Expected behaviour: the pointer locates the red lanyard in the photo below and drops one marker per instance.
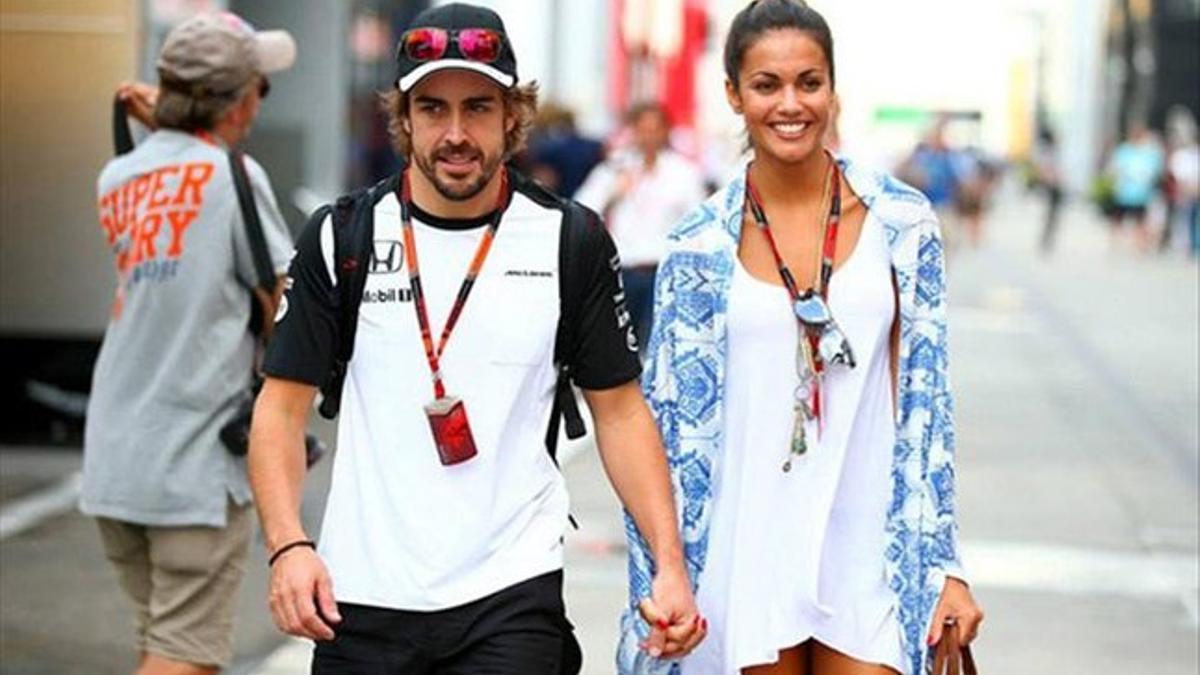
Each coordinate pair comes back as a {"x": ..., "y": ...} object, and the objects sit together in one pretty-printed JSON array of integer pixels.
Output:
[
  {"x": 827, "y": 254},
  {"x": 205, "y": 136},
  {"x": 410, "y": 256}
]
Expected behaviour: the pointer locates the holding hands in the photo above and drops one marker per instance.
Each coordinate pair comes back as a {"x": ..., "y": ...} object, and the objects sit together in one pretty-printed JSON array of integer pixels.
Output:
[{"x": 676, "y": 626}]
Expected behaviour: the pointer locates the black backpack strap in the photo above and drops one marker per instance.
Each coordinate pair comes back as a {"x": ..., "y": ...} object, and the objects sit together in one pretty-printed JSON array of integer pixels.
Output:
[
  {"x": 353, "y": 236},
  {"x": 571, "y": 241},
  {"x": 566, "y": 338}
]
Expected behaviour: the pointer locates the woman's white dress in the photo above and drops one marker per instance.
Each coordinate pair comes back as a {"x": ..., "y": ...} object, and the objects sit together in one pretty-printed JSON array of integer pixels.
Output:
[{"x": 800, "y": 555}]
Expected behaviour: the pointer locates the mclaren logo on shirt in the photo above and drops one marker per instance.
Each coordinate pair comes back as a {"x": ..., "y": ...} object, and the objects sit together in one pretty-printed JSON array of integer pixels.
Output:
[
  {"x": 387, "y": 257},
  {"x": 530, "y": 274}
]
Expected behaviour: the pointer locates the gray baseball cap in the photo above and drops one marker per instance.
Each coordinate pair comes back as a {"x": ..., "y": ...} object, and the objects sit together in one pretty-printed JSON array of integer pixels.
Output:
[{"x": 216, "y": 54}]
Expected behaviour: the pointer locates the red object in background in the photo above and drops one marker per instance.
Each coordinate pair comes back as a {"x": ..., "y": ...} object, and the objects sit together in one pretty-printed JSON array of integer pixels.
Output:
[
  {"x": 677, "y": 75},
  {"x": 618, "y": 61},
  {"x": 674, "y": 75}
]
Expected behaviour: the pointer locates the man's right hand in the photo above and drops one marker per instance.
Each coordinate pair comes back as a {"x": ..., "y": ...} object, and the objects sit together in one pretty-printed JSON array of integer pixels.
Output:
[{"x": 300, "y": 585}]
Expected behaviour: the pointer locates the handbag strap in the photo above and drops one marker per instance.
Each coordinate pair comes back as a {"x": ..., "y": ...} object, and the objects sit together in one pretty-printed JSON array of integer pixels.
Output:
[
  {"x": 968, "y": 661},
  {"x": 942, "y": 653},
  {"x": 951, "y": 657}
]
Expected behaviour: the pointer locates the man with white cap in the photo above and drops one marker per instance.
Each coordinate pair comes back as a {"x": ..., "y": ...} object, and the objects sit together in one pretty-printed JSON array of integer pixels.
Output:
[
  {"x": 172, "y": 504},
  {"x": 442, "y": 545}
]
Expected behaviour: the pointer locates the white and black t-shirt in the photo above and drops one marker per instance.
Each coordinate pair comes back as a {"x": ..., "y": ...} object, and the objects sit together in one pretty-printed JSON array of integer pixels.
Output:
[{"x": 401, "y": 530}]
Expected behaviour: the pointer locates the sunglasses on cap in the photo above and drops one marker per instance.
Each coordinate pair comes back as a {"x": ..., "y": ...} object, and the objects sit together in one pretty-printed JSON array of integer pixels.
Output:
[{"x": 430, "y": 44}]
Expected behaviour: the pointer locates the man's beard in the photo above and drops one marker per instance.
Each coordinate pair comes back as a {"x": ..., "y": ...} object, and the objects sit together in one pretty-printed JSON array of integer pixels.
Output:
[{"x": 458, "y": 191}]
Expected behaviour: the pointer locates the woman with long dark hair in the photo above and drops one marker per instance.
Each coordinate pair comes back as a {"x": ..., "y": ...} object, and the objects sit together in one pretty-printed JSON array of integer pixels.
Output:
[{"x": 797, "y": 370}]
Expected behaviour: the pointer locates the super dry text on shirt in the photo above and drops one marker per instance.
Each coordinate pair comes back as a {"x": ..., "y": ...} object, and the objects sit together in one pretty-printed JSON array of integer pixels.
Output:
[{"x": 134, "y": 214}]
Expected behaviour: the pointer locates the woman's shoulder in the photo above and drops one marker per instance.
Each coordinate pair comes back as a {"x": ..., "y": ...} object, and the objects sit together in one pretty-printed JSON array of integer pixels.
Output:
[
  {"x": 708, "y": 224},
  {"x": 713, "y": 216},
  {"x": 896, "y": 203}
]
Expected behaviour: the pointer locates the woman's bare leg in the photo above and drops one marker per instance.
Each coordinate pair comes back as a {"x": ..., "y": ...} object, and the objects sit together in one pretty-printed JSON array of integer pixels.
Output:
[
  {"x": 826, "y": 661},
  {"x": 792, "y": 661}
]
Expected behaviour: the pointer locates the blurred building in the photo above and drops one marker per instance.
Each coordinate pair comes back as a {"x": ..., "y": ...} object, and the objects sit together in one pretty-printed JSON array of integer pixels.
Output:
[
  {"x": 59, "y": 65},
  {"x": 1152, "y": 62}
]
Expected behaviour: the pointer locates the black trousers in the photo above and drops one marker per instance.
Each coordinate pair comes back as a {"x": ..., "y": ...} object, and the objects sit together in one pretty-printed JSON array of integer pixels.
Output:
[{"x": 521, "y": 630}]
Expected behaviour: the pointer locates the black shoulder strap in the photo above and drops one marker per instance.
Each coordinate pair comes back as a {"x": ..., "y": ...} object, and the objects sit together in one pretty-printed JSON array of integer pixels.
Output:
[
  {"x": 566, "y": 339},
  {"x": 353, "y": 235},
  {"x": 263, "y": 268},
  {"x": 122, "y": 136}
]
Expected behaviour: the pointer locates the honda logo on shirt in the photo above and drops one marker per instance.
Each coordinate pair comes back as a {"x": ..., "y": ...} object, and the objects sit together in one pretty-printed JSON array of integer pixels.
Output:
[{"x": 387, "y": 257}]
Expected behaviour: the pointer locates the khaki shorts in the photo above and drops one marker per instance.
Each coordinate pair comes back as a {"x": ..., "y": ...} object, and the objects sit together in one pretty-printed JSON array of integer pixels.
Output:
[{"x": 183, "y": 582}]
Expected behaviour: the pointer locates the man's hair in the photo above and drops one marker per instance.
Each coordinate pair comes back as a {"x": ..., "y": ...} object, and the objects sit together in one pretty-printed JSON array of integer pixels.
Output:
[
  {"x": 520, "y": 101},
  {"x": 640, "y": 108},
  {"x": 183, "y": 112},
  {"x": 551, "y": 115}
]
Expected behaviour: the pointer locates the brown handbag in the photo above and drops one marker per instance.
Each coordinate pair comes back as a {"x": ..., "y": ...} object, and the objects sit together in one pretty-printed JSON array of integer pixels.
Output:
[{"x": 952, "y": 657}]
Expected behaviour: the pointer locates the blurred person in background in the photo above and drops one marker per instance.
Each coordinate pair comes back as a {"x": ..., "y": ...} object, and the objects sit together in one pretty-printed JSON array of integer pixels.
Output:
[
  {"x": 1048, "y": 178},
  {"x": 560, "y": 157},
  {"x": 933, "y": 169},
  {"x": 442, "y": 543},
  {"x": 171, "y": 502},
  {"x": 1183, "y": 182},
  {"x": 795, "y": 311},
  {"x": 641, "y": 191},
  {"x": 1136, "y": 166},
  {"x": 976, "y": 174}
]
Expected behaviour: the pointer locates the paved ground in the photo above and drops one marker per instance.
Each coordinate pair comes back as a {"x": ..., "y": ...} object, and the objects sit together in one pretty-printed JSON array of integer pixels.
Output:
[{"x": 1077, "y": 406}]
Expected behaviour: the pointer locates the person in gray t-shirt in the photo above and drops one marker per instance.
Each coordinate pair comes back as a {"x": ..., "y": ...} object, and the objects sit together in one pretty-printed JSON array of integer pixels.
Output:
[{"x": 171, "y": 503}]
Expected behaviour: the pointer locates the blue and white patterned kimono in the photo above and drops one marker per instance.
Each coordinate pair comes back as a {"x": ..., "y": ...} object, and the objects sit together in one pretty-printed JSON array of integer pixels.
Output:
[{"x": 685, "y": 383}]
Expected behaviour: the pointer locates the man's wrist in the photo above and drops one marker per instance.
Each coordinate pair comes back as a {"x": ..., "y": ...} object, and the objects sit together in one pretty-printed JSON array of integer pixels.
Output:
[
  {"x": 275, "y": 540},
  {"x": 670, "y": 561},
  {"x": 286, "y": 548}
]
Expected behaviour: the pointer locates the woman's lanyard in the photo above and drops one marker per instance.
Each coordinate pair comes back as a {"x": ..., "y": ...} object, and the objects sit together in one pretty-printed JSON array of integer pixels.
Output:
[
  {"x": 410, "y": 252},
  {"x": 810, "y": 337}
]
